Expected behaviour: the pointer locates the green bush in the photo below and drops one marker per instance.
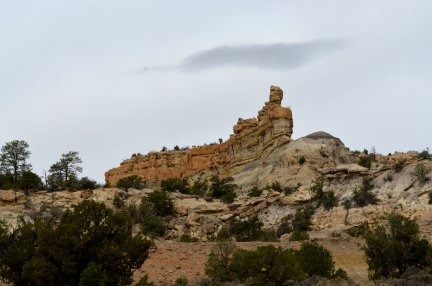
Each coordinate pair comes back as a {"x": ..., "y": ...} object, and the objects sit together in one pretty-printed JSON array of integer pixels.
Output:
[
  {"x": 181, "y": 282},
  {"x": 199, "y": 188},
  {"x": 316, "y": 190},
  {"x": 358, "y": 230},
  {"x": 118, "y": 201},
  {"x": 134, "y": 213},
  {"x": 301, "y": 160},
  {"x": 303, "y": 218},
  {"x": 228, "y": 198},
  {"x": 153, "y": 226},
  {"x": 420, "y": 173},
  {"x": 144, "y": 281},
  {"x": 291, "y": 189},
  {"x": 223, "y": 189},
  {"x": 340, "y": 274},
  {"x": 29, "y": 181},
  {"x": 299, "y": 235},
  {"x": 6, "y": 181},
  {"x": 362, "y": 196},
  {"x": 247, "y": 230},
  {"x": 255, "y": 192},
  {"x": 423, "y": 155},
  {"x": 392, "y": 248},
  {"x": 329, "y": 200},
  {"x": 85, "y": 183},
  {"x": 219, "y": 261},
  {"x": 267, "y": 265},
  {"x": 276, "y": 186},
  {"x": 89, "y": 242},
  {"x": 268, "y": 235},
  {"x": 176, "y": 184},
  {"x": 223, "y": 235},
  {"x": 93, "y": 275},
  {"x": 399, "y": 165},
  {"x": 160, "y": 203},
  {"x": 187, "y": 238},
  {"x": 129, "y": 182},
  {"x": 366, "y": 161},
  {"x": 315, "y": 260}
]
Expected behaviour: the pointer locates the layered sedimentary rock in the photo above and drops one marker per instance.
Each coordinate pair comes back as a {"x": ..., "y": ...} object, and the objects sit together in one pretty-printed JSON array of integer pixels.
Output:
[{"x": 252, "y": 139}]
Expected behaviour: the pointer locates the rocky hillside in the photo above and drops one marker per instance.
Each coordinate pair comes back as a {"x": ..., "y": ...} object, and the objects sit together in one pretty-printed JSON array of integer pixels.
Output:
[{"x": 258, "y": 155}]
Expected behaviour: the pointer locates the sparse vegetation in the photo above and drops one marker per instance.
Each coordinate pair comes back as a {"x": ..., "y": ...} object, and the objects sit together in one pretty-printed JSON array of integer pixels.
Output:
[
  {"x": 291, "y": 189},
  {"x": 144, "y": 281},
  {"x": 362, "y": 196},
  {"x": 255, "y": 192},
  {"x": 175, "y": 185},
  {"x": 159, "y": 203},
  {"x": 399, "y": 165},
  {"x": 421, "y": 173},
  {"x": 277, "y": 187},
  {"x": 366, "y": 160},
  {"x": 181, "y": 282},
  {"x": 424, "y": 155},
  {"x": 358, "y": 230},
  {"x": 327, "y": 199},
  {"x": 85, "y": 183},
  {"x": 199, "y": 188},
  {"x": 244, "y": 230},
  {"x": 118, "y": 201},
  {"x": 303, "y": 218},
  {"x": 299, "y": 235},
  {"x": 187, "y": 238},
  {"x": 223, "y": 189},
  {"x": 153, "y": 226},
  {"x": 130, "y": 182},
  {"x": 223, "y": 235},
  {"x": 249, "y": 230}
]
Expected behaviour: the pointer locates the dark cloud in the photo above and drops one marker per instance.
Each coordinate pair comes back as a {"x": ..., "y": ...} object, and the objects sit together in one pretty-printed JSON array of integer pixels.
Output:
[{"x": 278, "y": 56}]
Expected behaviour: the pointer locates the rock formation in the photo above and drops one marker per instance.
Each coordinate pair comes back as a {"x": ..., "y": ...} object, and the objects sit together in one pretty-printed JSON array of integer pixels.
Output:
[{"x": 253, "y": 139}]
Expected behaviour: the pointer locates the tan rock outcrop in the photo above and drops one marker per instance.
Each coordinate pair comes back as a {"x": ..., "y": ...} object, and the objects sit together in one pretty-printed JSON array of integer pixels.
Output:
[{"x": 252, "y": 139}]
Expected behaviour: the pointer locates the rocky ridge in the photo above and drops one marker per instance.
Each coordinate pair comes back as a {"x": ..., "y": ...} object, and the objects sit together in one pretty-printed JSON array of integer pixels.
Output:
[{"x": 252, "y": 139}]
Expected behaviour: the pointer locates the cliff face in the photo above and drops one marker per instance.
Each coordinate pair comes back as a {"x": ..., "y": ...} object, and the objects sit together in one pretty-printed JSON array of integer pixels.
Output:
[{"x": 253, "y": 139}]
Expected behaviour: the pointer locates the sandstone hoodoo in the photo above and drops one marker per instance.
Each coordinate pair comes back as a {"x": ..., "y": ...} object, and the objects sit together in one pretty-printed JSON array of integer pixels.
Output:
[{"x": 252, "y": 139}]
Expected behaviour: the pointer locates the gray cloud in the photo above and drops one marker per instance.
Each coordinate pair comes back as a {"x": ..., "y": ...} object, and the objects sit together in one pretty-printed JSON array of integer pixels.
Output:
[{"x": 278, "y": 56}]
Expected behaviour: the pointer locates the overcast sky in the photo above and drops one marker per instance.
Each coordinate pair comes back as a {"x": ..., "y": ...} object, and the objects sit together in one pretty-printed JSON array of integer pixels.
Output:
[{"x": 111, "y": 78}]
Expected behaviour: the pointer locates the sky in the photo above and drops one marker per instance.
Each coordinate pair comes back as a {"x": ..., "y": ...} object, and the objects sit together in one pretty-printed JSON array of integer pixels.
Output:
[{"x": 111, "y": 78}]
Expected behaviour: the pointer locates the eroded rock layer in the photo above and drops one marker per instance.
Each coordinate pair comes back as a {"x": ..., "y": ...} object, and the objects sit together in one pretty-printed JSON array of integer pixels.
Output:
[{"x": 252, "y": 139}]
